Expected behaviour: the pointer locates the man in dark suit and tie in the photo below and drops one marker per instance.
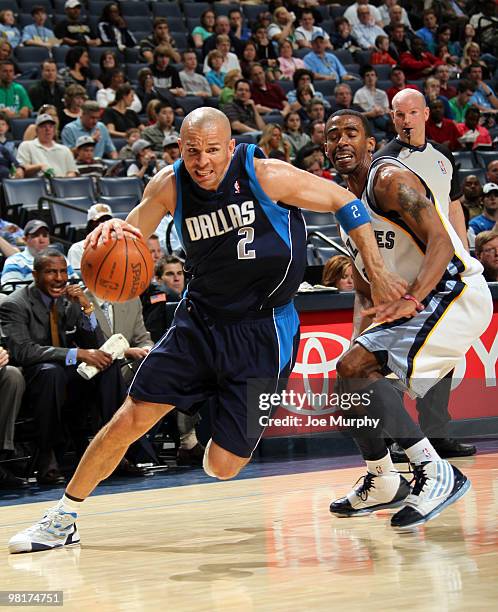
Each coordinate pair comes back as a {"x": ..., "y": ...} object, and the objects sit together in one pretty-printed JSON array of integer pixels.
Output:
[{"x": 49, "y": 327}]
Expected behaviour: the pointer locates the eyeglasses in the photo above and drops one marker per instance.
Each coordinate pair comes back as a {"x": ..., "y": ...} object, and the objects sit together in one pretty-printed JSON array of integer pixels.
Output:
[{"x": 490, "y": 251}]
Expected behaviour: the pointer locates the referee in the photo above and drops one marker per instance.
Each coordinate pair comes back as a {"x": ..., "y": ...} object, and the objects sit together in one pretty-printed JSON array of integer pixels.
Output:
[{"x": 436, "y": 165}]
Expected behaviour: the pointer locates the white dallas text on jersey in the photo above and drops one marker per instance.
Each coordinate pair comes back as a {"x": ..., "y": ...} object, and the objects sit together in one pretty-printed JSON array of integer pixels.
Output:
[{"x": 220, "y": 221}]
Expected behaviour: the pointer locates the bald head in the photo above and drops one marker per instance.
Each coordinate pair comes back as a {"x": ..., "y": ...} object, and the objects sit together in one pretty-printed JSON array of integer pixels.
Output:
[
  {"x": 411, "y": 97},
  {"x": 206, "y": 119},
  {"x": 409, "y": 114}
]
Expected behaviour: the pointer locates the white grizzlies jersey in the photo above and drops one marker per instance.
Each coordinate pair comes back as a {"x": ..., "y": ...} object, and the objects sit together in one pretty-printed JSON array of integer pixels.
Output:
[
  {"x": 400, "y": 248},
  {"x": 433, "y": 163}
]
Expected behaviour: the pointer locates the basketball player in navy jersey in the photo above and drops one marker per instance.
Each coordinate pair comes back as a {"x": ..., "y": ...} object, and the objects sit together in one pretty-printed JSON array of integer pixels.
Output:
[
  {"x": 419, "y": 337},
  {"x": 235, "y": 213}
]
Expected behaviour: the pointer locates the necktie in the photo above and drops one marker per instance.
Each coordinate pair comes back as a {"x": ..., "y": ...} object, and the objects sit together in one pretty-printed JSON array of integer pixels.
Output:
[
  {"x": 107, "y": 314},
  {"x": 54, "y": 330}
]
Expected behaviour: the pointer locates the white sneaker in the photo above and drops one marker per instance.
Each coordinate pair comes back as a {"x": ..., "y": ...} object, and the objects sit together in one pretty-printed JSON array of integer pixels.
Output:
[
  {"x": 374, "y": 493},
  {"x": 436, "y": 485},
  {"x": 57, "y": 528}
]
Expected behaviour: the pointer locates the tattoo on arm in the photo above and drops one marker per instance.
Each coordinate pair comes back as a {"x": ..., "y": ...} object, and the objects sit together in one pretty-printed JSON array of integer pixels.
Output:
[{"x": 411, "y": 201}]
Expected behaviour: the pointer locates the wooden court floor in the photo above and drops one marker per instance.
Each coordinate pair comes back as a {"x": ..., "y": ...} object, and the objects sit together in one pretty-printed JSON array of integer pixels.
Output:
[{"x": 265, "y": 544}]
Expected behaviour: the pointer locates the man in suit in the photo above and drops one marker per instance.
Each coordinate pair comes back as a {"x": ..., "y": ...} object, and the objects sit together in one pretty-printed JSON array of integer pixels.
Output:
[{"x": 50, "y": 326}]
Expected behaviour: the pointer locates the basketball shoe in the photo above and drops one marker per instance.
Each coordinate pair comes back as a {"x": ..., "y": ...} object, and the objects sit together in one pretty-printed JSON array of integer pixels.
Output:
[
  {"x": 57, "y": 528},
  {"x": 436, "y": 485},
  {"x": 372, "y": 494}
]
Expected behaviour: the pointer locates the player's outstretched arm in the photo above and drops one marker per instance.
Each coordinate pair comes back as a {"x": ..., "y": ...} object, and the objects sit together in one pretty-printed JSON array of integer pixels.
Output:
[
  {"x": 158, "y": 199},
  {"x": 288, "y": 184},
  {"x": 401, "y": 191}
]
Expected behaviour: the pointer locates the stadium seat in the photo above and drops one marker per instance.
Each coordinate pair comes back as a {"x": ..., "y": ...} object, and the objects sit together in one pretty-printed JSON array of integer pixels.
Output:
[
  {"x": 77, "y": 190},
  {"x": 138, "y": 24},
  {"x": 59, "y": 54},
  {"x": 286, "y": 85},
  {"x": 224, "y": 9},
  {"x": 66, "y": 219},
  {"x": 383, "y": 71},
  {"x": 121, "y": 205},
  {"x": 9, "y": 5},
  {"x": 479, "y": 172},
  {"x": 465, "y": 159},
  {"x": 325, "y": 87},
  {"x": 195, "y": 9},
  {"x": 337, "y": 10},
  {"x": 95, "y": 7},
  {"x": 190, "y": 103},
  {"x": 21, "y": 196},
  {"x": 18, "y": 127},
  {"x": 132, "y": 55},
  {"x": 301, "y": 53},
  {"x": 325, "y": 253},
  {"x": 484, "y": 157},
  {"x": 362, "y": 57},
  {"x": 25, "y": 6},
  {"x": 125, "y": 186},
  {"x": 25, "y": 19},
  {"x": 251, "y": 11},
  {"x": 97, "y": 52},
  {"x": 181, "y": 40},
  {"x": 344, "y": 55},
  {"x": 165, "y": 9},
  {"x": 132, "y": 8}
]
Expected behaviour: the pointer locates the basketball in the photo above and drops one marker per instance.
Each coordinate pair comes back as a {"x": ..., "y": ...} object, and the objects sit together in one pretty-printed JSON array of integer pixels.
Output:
[{"x": 118, "y": 270}]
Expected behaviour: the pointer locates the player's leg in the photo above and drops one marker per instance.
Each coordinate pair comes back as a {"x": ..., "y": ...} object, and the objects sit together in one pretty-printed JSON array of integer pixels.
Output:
[
  {"x": 221, "y": 463},
  {"x": 58, "y": 526}
]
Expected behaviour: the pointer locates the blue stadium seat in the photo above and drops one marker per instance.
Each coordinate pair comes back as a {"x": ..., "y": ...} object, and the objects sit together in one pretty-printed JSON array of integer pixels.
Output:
[
  {"x": 9, "y": 5},
  {"x": 21, "y": 196},
  {"x": 485, "y": 157},
  {"x": 195, "y": 9},
  {"x": 325, "y": 87},
  {"x": 95, "y": 7},
  {"x": 345, "y": 56},
  {"x": 181, "y": 40},
  {"x": 224, "y": 9},
  {"x": 77, "y": 190},
  {"x": 176, "y": 24},
  {"x": 165, "y": 9},
  {"x": 479, "y": 172},
  {"x": 383, "y": 71},
  {"x": 18, "y": 127},
  {"x": 190, "y": 103},
  {"x": 59, "y": 54},
  {"x": 67, "y": 218},
  {"x": 123, "y": 186},
  {"x": 362, "y": 57},
  {"x": 251, "y": 11},
  {"x": 247, "y": 138},
  {"x": 338, "y": 11},
  {"x": 132, "y": 8},
  {"x": 286, "y": 85},
  {"x": 301, "y": 53},
  {"x": 25, "y": 6},
  {"x": 97, "y": 52},
  {"x": 465, "y": 159},
  {"x": 31, "y": 54}
]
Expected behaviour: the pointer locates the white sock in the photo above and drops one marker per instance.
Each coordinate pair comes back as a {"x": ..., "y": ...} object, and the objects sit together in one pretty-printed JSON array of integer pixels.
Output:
[
  {"x": 188, "y": 440},
  {"x": 70, "y": 505},
  {"x": 205, "y": 461},
  {"x": 421, "y": 452},
  {"x": 381, "y": 467}
]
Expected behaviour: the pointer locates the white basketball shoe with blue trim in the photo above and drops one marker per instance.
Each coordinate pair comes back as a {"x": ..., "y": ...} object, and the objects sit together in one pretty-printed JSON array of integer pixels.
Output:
[
  {"x": 436, "y": 485},
  {"x": 57, "y": 528}
]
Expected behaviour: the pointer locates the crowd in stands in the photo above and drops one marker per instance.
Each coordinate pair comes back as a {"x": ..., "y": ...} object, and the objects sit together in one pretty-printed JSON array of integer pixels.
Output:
[{"x": 98, "y": 89}]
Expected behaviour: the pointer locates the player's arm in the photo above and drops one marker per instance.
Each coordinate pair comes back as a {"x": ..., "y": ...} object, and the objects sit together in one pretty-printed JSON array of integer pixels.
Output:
[
  {"x": 457, "y": 220},
  {"x": 362, "y": 302},
  {"x": 401, "y": 191},
  {"x": 159, "y": 198},
  {"x": 285, "y": 183}
]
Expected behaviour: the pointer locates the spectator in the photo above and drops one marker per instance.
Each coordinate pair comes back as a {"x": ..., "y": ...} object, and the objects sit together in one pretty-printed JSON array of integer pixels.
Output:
[
  {"x": 9, "y": 166},
  {"x": 43, "y": 155},
  {"x": 268, "y": 97},
  {"x": 114, "y": 80},
  {"x": 428, "y": 32},
  {"x": 338, "y": 272},
  {"x": 6, "y": 54},
  {"x": 193, "y": 83},
  {"x": 343, "y": 98},
  {"x": 46, "y": 109},
  {"x": 418, "y": 63},
  {"x": 432, "y": 90},
  {"x": 216, "y": 76},
  {"x": 49, "y": 327},
  {"x": 132, "y": 135},
  {"x": 294, "y": 133},
  {"x": 380, "y": 55},
  {"x": 303, "y": 77},
  {"x": 89, "y": 125},
  {"x": 373, "y": 101},
  {"x": 97, "y": 214},
  {"x": 11, "y": 389},
  {"x": 145, "y": 164},
  {"x": 168, "y": 270},
  {"x": 351, "y": 13},
  {"x": 486, "y": 221},
  {"x": 440, "y": 129},
  {"x": 47, "y": 90},
  {"x": 315, "y": 111},
  {"x": 398, "y": 79},
  {"x": 155, "y": 249},
  {"x": 74, "y": 98},
  {"x": 113, "y": 30},
  {"x": 324, "y": 65},
  {"x": 442, "y": 74},
  {"x": 315, "y": 165},
  {"x": 307, "y": 28},
  {"x": 160, "y": 37},
  {"x": 36, "y": 34},
  {"x": 230, "y": 60},
  {"x": 108, "y": 63},
  {"x": 237, "y": 26},
  {"x": 461, "y": 102},
  {"x": 72, "y": 30},
  {"x": 163, "y": 127},
  {"x": 265, "y": 52},
  {"x": 86, "y": 162},
  {"x": 398, "y": 37},
  {"x": 249, "y": 57},
  {"x": 492, "y": 171},
  {"x": 365, "y": 31},
  {"x": 149, "y": 95},
  {"x": 472, "y": 135},
  {"x": 342, "y": 37},
  {"x": 228, "y": 92},
  {"x": 487, "y": 254},
  {"x": 5, "y": 138},
  {"x": 484, "y": 96},
  {"x": 13, "y": 234},
  {"x": 317, "y": 133},
  {"x": 242, "y": 112},
  {"x": 14, "y": 100},
  {"x": 164, "y": 74},
  {"x": 77, "y": 70},
  {"x": 472, "y": 55},
  {"x": 443, "y": 37},
  {"x": 171, "y": 150},
  {"x": 18, "y": 268},
  {"x": 222, "y": 28},
  {"x": 486, "y": 24},
  {"x": 471, "y": 199},
  {"x": 303, "y": 100},
  {"x": 203, "y": 31},
  {"x": 8, "y": 29},
  {"x": 392, "y": 13},
  {"x": 272, "y": 141},
  {"x": 282, "y": 26},
  {"x": 287, "y": 63}
]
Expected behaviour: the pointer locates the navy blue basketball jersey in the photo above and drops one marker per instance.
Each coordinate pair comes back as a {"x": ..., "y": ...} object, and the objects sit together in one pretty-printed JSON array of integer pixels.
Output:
[{"x": 246, "y": 252}]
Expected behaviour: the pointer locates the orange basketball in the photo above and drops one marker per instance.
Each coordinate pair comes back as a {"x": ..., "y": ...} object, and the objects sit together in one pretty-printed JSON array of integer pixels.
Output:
[{"x": 118, "y": 270}]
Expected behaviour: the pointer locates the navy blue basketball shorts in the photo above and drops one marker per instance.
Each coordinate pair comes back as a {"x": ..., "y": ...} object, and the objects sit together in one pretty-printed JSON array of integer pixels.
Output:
[{"x": 202, "y": 358}]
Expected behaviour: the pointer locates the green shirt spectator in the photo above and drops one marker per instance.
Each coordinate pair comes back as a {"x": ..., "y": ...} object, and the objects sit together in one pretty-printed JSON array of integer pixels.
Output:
[
  {"x": 14, "y": 99},
  {"x": 461, "y": 102}
]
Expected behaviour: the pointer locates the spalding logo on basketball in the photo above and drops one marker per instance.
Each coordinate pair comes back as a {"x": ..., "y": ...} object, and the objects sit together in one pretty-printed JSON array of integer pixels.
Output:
[{"x": 118, "y": 270}]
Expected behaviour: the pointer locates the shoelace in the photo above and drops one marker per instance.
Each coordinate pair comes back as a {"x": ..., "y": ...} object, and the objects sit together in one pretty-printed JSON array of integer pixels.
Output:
[
  {"x": 367, "y": 484},
  {"x": 419, "y": 478},
  {"x": 53, "y": 517}
]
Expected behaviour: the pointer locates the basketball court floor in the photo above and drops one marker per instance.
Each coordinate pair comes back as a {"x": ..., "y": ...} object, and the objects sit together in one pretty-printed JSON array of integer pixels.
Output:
[{"x": 262, "y": 542}]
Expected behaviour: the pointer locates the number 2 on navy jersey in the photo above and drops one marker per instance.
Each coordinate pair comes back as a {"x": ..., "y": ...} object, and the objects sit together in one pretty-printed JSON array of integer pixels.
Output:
[{"x": 248, "y": 238}]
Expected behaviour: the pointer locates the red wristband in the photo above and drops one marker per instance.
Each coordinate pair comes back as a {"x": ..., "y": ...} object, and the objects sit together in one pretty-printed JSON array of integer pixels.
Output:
[{"x": 419, "y": 306}]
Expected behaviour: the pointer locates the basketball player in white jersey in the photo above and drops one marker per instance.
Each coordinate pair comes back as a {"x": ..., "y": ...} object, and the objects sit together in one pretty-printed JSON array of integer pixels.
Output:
[
  {"x": 419, "y": 337},
  {"x": 435, "y": 164}
]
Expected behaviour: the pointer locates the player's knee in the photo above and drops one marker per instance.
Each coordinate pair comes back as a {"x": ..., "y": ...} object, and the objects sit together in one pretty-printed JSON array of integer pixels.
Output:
[
  {"x": 348, "y": 366},
  {"x": 125, "y": 426},
  {"x": 221, "y": 464},
  {"x": 222, "y": 471}
]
